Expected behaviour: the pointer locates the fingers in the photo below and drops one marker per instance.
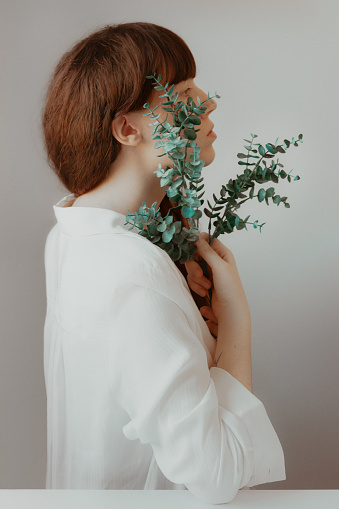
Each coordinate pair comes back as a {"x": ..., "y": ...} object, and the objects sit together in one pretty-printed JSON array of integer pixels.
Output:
[
  {"x": 195, "y": 272},
  {"x": 206, "y": 251},
  {"x": 198, "y": 289},
  {"x": 196, "y": 279},
  {"x": 193, "y": 269},
  {"x": 212, "y": 321},
  {"x": 213, "y": 328},
  {"x": 201, "y": 288},
  {"x": 207, "y": 311},
  {"x": 212, "y": 253}
]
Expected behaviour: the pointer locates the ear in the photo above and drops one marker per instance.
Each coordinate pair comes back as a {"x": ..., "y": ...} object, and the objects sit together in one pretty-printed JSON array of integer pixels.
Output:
[{"x": 125, "y": 131}]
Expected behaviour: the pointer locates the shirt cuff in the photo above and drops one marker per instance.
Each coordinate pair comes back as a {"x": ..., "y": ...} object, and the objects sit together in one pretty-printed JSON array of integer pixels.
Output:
[{"x": 233, "y": 396}]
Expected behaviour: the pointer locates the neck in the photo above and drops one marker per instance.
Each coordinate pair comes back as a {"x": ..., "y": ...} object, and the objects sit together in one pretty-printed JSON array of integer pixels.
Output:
[{"x": 130, "y": 183}]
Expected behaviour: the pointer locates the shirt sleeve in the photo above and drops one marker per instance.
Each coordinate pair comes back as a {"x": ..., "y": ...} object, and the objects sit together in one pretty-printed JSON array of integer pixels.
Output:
[{"x": 206, "y": 429}]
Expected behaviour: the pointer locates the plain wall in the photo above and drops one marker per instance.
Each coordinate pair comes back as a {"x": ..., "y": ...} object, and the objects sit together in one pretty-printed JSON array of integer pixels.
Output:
[{"x": 275, "y": 66}]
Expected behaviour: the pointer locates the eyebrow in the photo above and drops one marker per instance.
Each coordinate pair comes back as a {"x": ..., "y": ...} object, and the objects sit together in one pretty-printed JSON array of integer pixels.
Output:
[{"x": 184, "y": 88}]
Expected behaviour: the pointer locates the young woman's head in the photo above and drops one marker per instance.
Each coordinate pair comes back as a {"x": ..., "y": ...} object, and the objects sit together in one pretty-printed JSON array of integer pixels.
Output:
[{"x": 101, "y": 78}]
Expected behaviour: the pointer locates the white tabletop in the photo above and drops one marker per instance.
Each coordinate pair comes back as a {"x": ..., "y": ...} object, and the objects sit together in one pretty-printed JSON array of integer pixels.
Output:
[{"x": 164, "y": 499}]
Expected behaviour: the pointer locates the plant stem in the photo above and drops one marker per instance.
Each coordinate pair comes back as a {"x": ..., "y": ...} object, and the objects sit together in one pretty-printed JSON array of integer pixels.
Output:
[{"x": 205, "y": 272}]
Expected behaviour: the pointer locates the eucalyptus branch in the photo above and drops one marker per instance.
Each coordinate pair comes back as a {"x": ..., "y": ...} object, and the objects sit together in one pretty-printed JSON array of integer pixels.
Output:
[{"x": 175, "y": 139}]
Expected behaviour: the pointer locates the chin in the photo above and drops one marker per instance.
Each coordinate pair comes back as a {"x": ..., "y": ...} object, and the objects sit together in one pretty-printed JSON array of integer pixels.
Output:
[{"x": 208, "y": 157}]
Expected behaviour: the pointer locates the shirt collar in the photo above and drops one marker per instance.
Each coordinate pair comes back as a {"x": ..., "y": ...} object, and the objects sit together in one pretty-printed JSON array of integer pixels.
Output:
[{"x": 89, "y": 220}]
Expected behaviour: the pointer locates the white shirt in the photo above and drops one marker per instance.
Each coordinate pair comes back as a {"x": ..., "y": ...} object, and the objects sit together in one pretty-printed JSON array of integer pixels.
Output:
[{"x": 133, "y": 398}]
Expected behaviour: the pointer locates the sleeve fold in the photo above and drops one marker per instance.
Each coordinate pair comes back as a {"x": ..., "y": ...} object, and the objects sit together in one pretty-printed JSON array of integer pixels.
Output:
[
  {"x": 206, "y": 429},
  {"x": 269, "y": 465}
]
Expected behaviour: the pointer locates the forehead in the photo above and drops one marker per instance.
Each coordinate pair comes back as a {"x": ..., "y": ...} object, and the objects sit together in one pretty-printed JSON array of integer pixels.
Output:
[
  {"x": 185, "y": 83},
  {"x": 178, "y": 87}
]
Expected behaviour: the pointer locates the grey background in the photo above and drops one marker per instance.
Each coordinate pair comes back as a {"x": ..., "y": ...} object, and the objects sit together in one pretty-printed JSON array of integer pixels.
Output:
[{"x": 275, "y": 66}]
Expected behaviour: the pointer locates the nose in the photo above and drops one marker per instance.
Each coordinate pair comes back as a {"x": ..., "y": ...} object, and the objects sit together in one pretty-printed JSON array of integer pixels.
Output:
[{"x": 210, "y": 104}]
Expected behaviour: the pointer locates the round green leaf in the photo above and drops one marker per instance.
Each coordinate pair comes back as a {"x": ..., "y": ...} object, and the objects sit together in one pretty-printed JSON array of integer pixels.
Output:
[
  {"x": 187, "y": 212},
  {"x": 261, "y": 150},
  {"x": 162, "y": 227},
  {"x": 168, "y": 219},
  {"x": 167, "y": 236},
  {"x": 261, "y": 194},
  {"x": 270, "y": 148},
  {"x": 190, "y": 134},
  {"x": 195, "y": 120}
]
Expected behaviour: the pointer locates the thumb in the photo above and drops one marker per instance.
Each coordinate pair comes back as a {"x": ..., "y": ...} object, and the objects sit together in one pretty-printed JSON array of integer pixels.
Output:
[{"x": 206, "y": 251}]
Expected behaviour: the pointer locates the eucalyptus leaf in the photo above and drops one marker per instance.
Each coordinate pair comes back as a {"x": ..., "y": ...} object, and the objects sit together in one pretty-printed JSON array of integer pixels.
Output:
[
  {"x": 261, "y": 194},
  {"x": 270, "y": 148},
  {"x": 187, "y": 212},
  {"x": 261, "y": 150},
  {"x": 190, "y": 134}
]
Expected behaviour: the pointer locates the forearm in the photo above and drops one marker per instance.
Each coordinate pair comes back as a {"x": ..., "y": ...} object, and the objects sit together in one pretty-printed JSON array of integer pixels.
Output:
[{"x": 233, "y": 349}]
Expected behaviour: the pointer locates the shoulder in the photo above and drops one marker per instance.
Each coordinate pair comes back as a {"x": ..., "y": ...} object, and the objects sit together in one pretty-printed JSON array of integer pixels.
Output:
[
  {"x": 102, "y": 263},
  {"x": 147, "y": 263},
  {"x": 129, "y": 258}
]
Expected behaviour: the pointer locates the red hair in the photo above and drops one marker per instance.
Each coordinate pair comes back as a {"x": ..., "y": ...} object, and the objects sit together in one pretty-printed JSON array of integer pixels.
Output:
[{"x": 99, "y": 78}]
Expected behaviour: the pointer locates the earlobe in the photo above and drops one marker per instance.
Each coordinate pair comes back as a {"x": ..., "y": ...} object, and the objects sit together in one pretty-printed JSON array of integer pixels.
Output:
[{"x": 124, "y": 132}]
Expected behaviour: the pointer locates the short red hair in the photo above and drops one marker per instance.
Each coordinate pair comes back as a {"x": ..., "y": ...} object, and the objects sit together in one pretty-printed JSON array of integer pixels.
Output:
[{"x": 99, "y": 78}]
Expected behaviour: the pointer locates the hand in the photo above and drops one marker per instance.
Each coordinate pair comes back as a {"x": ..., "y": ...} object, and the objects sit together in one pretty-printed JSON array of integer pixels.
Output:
[
  {"x": 200, "y": 285},
  {"x": 228, "y": 297},
  {"x": 230, "y": 307}
]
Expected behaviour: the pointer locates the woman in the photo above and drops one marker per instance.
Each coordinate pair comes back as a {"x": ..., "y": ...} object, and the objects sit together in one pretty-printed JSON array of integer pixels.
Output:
[{"x": 140, "y": 394}]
